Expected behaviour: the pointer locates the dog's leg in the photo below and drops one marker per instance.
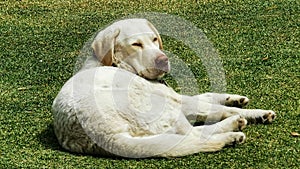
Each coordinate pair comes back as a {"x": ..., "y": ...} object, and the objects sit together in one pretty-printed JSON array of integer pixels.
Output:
[
  {"x": 254, "y": 115},
  {"x": 182, "y": 140},
  {"x": 172, "y": 145},
  {"x": 222, "y": 132},
  {"x": 231, "y": 100},
  {"x": 197, "y": 110},
  {"x": 233, "y": 123}
]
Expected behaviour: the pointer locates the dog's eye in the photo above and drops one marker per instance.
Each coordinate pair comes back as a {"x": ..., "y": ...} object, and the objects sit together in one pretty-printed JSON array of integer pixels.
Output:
[
  {"x": 137, "y": 44},
  {"x": 155, "y": 39}
]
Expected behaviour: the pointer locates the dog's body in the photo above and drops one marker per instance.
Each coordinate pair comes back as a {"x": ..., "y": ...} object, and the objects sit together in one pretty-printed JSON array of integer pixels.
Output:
[{"x": 114, "y": 111}]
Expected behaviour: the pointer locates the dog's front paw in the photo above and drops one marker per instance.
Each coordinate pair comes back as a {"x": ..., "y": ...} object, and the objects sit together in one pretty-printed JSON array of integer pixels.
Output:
[
  {"x": 233, "y": 123},
  {"x": 236, "y": 101},
  {"x": 268, "y": 117},
  {"x": 238, "y": 123}
]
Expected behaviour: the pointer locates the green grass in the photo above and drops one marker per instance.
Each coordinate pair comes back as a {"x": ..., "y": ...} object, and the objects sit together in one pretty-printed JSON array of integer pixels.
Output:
[{"x": 258, "y": 42}]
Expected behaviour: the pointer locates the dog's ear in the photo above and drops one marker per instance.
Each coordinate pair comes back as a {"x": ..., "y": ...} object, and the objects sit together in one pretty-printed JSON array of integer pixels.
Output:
[
  {"x": 103, "y": 46},
  {"x": 157, "y": 34}
]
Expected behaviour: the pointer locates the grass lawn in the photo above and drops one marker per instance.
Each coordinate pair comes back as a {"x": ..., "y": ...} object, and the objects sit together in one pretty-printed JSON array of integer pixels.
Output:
[{"x": 257, "y": 41}]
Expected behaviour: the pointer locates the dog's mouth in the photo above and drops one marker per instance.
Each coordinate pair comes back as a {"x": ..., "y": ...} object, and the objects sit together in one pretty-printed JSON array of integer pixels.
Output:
[{"x": 153, "y": 73}]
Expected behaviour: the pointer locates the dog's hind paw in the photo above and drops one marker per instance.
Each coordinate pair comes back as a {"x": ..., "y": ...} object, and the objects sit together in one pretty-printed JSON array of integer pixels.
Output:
[
  {"x": 239, "y": 138},
  {"x": 236, "y": 101},
  {"x": 236, "y": 138}
]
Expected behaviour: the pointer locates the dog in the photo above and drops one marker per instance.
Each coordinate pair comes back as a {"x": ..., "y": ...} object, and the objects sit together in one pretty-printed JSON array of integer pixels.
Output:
[{"x": 115, "y": 105}]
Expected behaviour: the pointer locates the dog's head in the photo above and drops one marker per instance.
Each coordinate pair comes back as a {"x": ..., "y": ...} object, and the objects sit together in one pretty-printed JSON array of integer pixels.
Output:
[{"x": 134, "y": 45}]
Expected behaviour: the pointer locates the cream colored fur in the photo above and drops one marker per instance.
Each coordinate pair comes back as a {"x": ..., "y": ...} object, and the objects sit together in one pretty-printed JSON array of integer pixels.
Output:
[{"x": 116, "y": 111}]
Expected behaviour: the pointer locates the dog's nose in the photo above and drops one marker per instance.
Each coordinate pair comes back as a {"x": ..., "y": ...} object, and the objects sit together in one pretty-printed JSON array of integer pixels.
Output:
[{"x": 162, "y": 63}]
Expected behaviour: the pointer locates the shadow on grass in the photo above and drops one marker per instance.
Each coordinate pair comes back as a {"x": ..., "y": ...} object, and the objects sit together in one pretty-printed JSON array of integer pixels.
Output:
[{"x": 48, "y": 139}]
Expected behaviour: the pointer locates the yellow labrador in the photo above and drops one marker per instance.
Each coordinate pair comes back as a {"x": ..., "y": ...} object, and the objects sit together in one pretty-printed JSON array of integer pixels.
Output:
[
  {"x": 111, "y": 107},
  {"x": 133, "y": 45}
]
